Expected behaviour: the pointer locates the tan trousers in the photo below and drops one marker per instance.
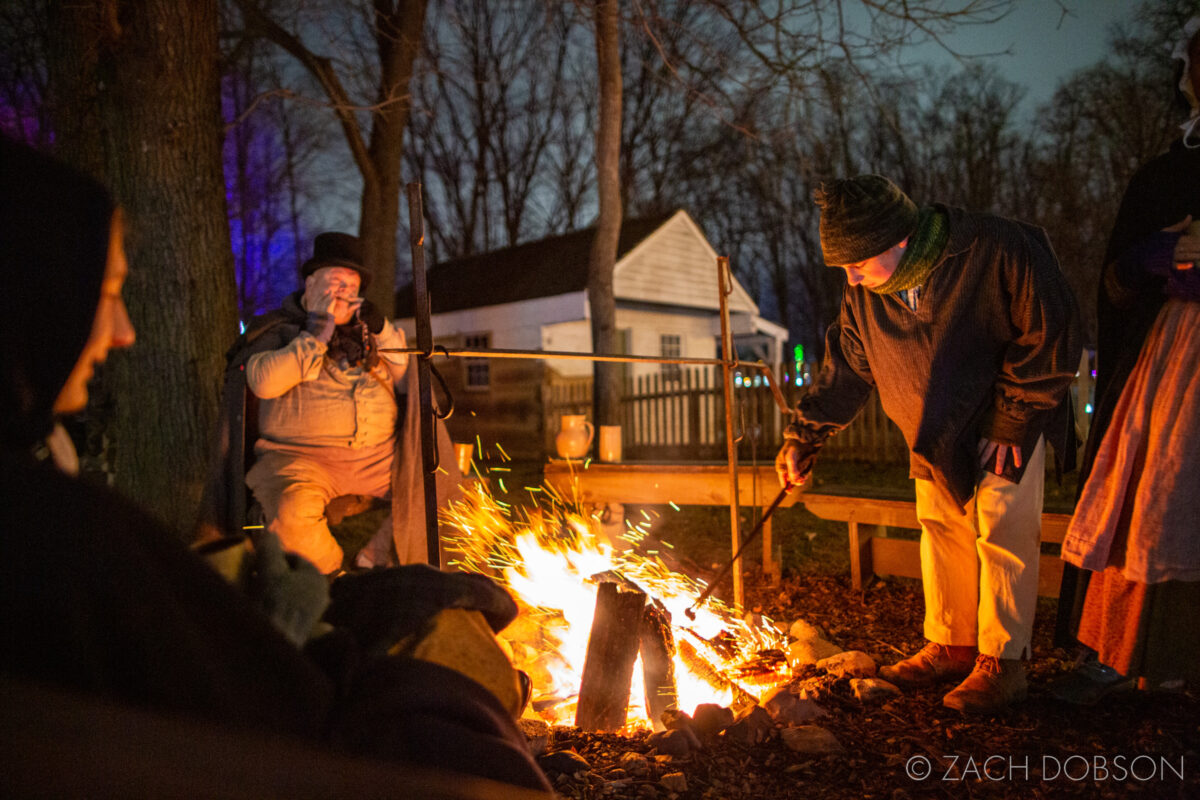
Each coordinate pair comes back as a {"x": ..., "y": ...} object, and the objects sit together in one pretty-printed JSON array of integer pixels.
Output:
[
  {"x": 979, "y": 567},
  {"x": 293, "y": 489}
]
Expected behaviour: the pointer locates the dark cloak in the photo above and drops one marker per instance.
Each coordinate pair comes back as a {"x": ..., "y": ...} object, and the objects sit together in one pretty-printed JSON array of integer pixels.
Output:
[
  {"x": 1161, "y": 193},
  {"x": 223, "y": 509},
  {"x": 100, "y": 602},
  {"x": 54, "y": 226}
]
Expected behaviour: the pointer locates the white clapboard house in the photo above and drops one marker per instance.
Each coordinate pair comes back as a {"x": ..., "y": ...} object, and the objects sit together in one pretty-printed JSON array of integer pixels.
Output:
[{"x": 533, "y": 296}]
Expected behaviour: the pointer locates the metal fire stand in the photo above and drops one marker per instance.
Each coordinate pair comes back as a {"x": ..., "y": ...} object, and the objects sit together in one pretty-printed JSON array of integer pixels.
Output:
[{"x": 425, "y": 350}]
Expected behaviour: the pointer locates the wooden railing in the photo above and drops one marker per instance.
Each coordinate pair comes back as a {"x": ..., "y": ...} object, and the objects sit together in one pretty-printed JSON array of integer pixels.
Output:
[{"x": 684, "y": 419}]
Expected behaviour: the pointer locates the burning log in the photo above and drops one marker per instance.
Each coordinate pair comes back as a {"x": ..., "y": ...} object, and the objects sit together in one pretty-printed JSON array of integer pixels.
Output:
[
  {"x": 710, "y": 675},
  {"x": 611, "y": 652},
  {"x": 701, "y": 668},
  {"x": 658, "y": 663}
]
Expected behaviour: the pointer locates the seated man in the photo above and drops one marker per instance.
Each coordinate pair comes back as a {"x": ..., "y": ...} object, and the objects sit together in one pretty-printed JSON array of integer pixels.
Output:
[{"x": 327, "y": 412}]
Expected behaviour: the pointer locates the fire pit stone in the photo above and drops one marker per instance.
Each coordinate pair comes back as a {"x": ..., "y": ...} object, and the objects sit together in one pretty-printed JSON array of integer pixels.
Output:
[
  {"x": 874, "y": 690},
  {"x": 803, "y": 630},
  {"x": 634, "y": 763},
  {"x": 678, "y": 743},
  {"x": 674, "y": 782},
  {"x": 851, "y": 663},
  {"x": 537, "y": 734},
  {"x": 754, "y": 727},
  {"x": 805, "y": 652},
  {"x": 710, "y": 719},
  {"x": 812, "y": 740},
  {"x": 564, "y": 762},
  {"x": 787, "y": 709},
  {"x": 674, "y": 719}
]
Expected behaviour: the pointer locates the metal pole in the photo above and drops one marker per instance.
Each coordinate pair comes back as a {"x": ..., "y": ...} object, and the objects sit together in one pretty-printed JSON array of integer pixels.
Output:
[
  {"x": 724, "y": 289},
  {"x": 566, "y": 355},
  {"x": 416, "y": 227}
]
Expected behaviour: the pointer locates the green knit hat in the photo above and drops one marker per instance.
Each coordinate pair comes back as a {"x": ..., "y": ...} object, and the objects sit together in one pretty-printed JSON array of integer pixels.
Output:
[{"x": 862, "y": 217}]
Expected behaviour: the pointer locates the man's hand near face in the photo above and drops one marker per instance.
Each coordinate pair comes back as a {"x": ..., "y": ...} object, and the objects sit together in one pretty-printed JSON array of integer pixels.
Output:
[
  {"x": 333, "y": 302},
  {"x": 333, "y": 291}
]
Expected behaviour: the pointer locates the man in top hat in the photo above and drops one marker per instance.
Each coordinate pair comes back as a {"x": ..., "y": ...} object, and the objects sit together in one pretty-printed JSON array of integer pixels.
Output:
[
  {"x": 327, "y": 399},
  {"x": 968, "y": 329}
]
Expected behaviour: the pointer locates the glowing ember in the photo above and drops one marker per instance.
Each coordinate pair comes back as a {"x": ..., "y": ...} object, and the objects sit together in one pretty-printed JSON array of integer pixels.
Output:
[{"x": 552, "y": 558}]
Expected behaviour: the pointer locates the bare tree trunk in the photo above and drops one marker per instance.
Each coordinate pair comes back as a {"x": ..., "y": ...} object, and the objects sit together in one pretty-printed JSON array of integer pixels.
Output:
[
  {"x": 398, "y": 32},
  {"x": 147, "y": 71},
  {"x": 398, "y": 29},
  {"x": 603, "y": 257}
]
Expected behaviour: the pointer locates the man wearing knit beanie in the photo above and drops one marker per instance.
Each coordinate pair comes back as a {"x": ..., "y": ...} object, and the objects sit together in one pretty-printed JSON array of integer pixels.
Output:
[{"x": 968, "y": 329}]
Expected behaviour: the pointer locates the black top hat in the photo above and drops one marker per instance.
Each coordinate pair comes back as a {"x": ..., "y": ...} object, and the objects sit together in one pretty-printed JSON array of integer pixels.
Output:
[{"x": 337, "y": 250}]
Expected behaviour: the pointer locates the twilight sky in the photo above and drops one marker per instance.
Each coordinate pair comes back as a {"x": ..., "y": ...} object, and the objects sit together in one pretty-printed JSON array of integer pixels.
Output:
[{"x": 1046, "y": 45}]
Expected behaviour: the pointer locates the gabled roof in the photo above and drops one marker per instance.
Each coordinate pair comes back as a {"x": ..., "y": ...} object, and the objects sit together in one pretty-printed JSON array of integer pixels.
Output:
[{"x": 552, "y": 266}]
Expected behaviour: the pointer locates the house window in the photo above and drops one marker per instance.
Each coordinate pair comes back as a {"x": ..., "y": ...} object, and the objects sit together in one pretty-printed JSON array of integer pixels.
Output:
[
  {"x": 478, "y": 369},
  {"x": 672, "y": 347}
]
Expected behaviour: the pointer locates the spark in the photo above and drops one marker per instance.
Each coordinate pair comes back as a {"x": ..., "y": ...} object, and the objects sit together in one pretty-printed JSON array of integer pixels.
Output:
[{"x": 546, "y": 553}]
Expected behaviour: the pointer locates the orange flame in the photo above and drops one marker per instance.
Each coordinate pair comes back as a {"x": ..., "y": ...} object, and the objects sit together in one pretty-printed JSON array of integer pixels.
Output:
[{"x": 546, "y": 553}]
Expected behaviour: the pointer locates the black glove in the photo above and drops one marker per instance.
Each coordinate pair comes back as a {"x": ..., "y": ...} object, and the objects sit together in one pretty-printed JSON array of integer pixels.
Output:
[
  {"x": 289, "y": 589},
  {"x": 382, "y": 606},
  {"x": 370, "y": 316}
]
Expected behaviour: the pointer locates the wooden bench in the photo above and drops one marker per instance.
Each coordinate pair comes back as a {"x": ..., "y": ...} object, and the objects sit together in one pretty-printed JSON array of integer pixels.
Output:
[
  {"x": 871, "y": 552},
  {"x": 649, "y": 483},
  {"x": 874, "y": 554}
]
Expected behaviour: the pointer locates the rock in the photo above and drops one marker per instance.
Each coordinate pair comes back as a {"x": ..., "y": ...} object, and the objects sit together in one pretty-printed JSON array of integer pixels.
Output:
[
  {"x": 680, "y": 742},
  {"x": 852, "y": 664},
  {"x": 811, "y": 740},
  {"x": 710, "y": 719},
  {"x": 634, "y": 763},
  {"x": 804, "y": 632},
  {"x": 776, "y": 698},
  {"x": 674, "y": 719},
  {"x": 564, "y": 762},
  {"x": 810, "y": 651},
  {"x": 873, "y": 690},
  {"x": 754, "y": 727},
  {"x": 674, "y": 782},
  {"x": 537, "y": 734},
  {"x": 787, "y": 709}
]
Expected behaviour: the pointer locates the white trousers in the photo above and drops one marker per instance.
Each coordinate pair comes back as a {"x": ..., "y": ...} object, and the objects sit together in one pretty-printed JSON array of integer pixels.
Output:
[
  {"x": 294, "y": 487},
  {"x": 979, "y": 566}
]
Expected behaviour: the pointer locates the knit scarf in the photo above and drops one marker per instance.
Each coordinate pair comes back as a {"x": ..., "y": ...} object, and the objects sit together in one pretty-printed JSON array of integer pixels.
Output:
[{"x": 925, "y": 247}]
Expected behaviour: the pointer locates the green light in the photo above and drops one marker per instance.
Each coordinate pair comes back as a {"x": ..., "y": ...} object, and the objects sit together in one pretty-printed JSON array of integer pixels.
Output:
[{"x": 798, "y": 354}]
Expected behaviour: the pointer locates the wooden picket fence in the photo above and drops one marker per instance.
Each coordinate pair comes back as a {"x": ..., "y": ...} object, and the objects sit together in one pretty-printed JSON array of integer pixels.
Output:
[{"x": 683, "y": 419}]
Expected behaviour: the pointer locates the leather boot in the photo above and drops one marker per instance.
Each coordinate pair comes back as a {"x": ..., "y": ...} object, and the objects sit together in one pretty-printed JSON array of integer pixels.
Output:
[
  {"x": 993, "y": 685},
  {"x": 932, "y": 664}
]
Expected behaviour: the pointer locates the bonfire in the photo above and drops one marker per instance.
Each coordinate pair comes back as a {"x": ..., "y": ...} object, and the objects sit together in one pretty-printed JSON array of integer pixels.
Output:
[{"x": 553, "y": 557}]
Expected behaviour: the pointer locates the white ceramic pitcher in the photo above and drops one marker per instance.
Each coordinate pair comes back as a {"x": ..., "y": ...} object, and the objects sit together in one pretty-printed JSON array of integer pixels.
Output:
[{"x": 574, "y": 436}]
